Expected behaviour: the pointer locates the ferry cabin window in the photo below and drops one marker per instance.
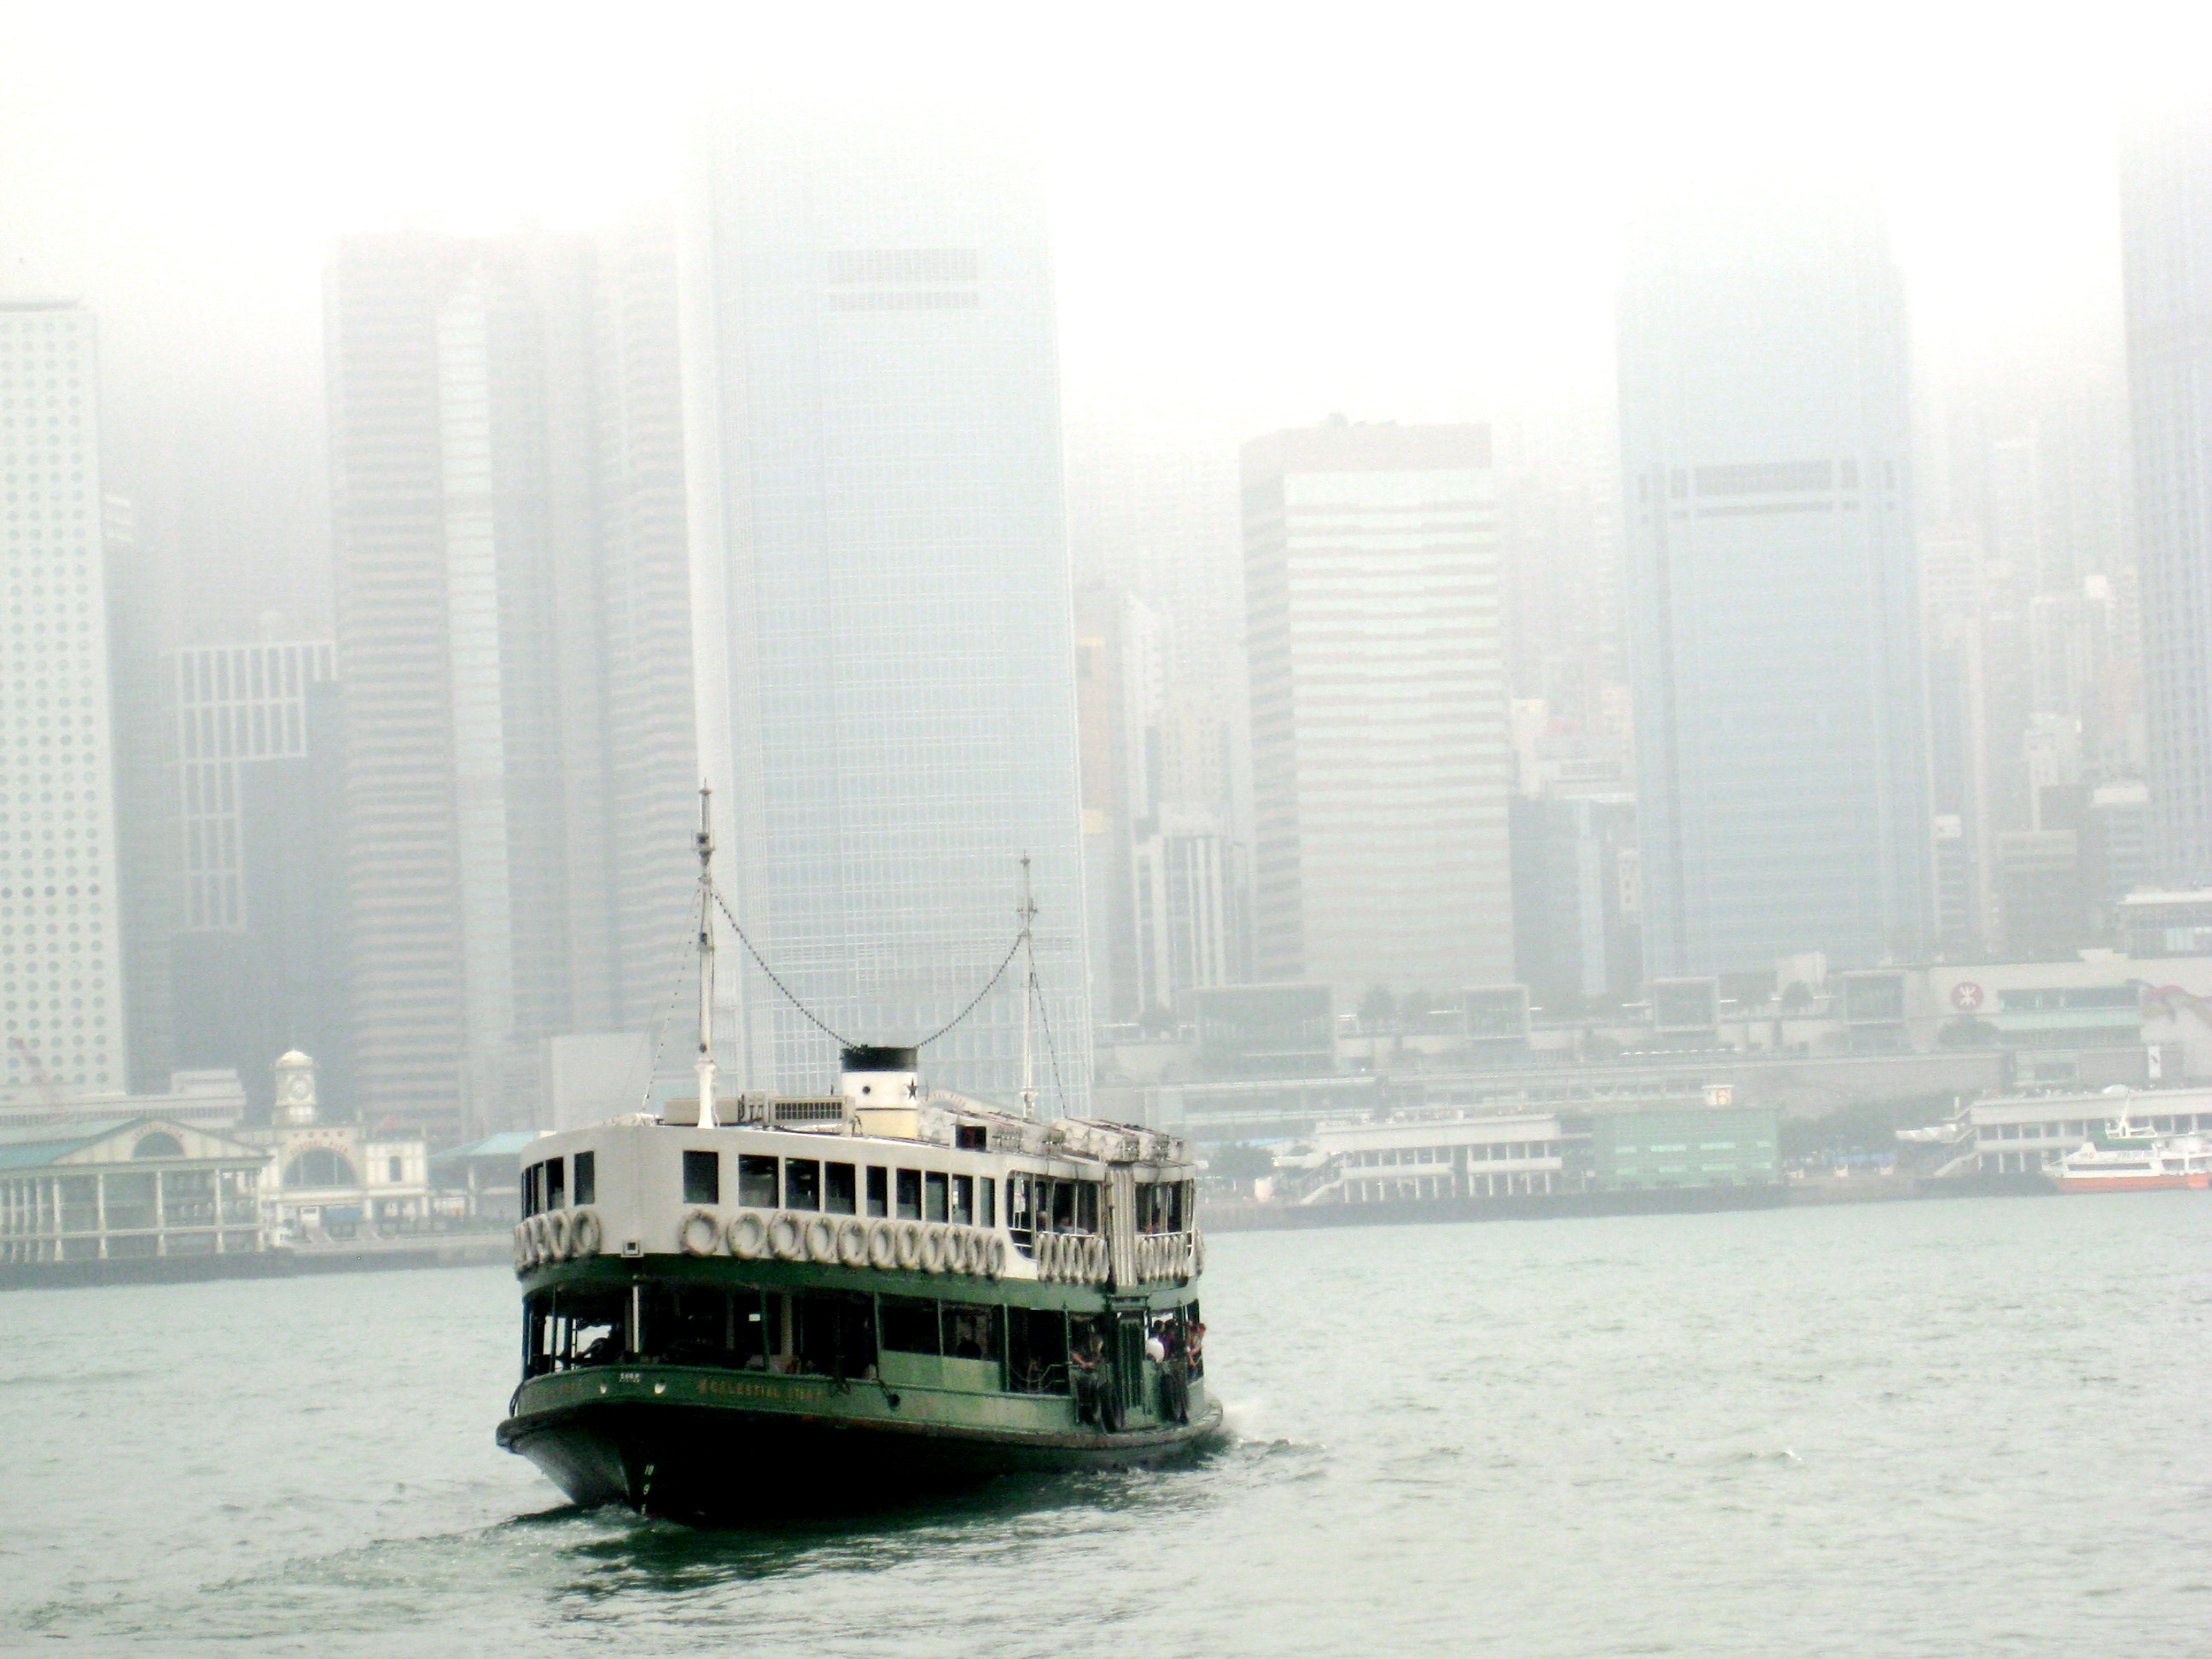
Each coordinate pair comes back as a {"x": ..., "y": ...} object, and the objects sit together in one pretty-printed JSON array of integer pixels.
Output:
[
  {"x": 989, "y": 1208},
  {"x": 755, "y": 1180},
  {"x": 557, "y": 1196},
  {"x": 1036, "y": 1351},
  {"x": 802, "y": 1184},
  {"x": 963, "y": 1200},
  {"x": 530, "y": 1190},
  {"x": 971, "y": 1331},
  {"x": 833, "y": 1333},
  {"x": 907, "y": 1323},
  {"x": 879, "y": 1189},
  {"x": 1018, "y": 1206},
  {"x": 909, "y": 1194},
  {"x": 838, "y": 1194},
  {"x": 703, "y": 1178},
  {"x": 587, "y": 1185},
  {"x": 934, "y": 1207}
]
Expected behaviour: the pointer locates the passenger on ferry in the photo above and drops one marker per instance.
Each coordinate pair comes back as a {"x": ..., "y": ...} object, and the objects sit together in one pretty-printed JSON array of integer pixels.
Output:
[{"x": 1085, "y": 1362}]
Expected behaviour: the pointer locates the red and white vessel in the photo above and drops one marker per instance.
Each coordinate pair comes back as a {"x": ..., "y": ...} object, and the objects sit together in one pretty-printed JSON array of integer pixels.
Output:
[{"x": 2123, "y": 1158}]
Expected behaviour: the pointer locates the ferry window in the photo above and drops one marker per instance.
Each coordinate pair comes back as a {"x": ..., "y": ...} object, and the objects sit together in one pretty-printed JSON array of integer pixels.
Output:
[
  {"x": 934, "y": 1205},
  {"x": 1086, "y": 1206},
  {"x": 971, "y": 1332},
  {"x": 755, "y": 1180},
  {"x": 588, "y": 1185},
  {"x": 528, "y": 1191},
  {"x": 971, "y": 1137},
  {"x": 703, "y": 1178},
  {"x": 909, "y": 1323},
  {"x": 833, "y": 1334},
  {"x": 1062, "y": 1213},
  {"x": 1018, "y": 1203},
  {"x": 988, "y": 1216},
  {"x": 838, "y": 1193},
  {"x": 1036, "y": 1351},
  {"x": 879, "y": 1189},
  {"x": 557, "y": 1184},
  {"x": 963, "y": 1200},
  {"x": 686, "y": 1326},
  {"x": 802, "y": 1184},
  {"x": 909, "y": 1194}
]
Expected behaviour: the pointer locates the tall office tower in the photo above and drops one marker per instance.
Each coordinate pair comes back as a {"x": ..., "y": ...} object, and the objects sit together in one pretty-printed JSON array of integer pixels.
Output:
[
  {"x": 1773, "y": 608},
  {"x": 256, "y": 964},
  {"x": 505, "y": 491},
  {"x": 2166, "y": 231},
  {"x": 1382, "y": 758},
  {"x": 645, "y": 580},
  {"x": 886, "y": 659},
  {"x": 61, "y": 972}
]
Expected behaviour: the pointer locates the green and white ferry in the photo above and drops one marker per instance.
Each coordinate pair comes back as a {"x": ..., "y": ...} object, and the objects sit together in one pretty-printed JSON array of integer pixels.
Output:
[{"x": 855, "y": 1297}]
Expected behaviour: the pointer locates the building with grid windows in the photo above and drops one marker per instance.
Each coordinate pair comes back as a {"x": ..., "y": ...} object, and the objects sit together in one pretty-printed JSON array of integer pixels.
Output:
[
  {"x": 513, "y": 655},
  {"x": 61, "y": 983},
  {"x": 2165, "y": 229},
  {"x": 1774, "y": 615},
  {"x": 1382, "y": 759},
  {"x": 886, "y": 681}
]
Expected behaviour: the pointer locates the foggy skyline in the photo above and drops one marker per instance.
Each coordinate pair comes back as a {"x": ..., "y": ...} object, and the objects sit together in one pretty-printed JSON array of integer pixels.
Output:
[{"x": 1253, "y": 226}]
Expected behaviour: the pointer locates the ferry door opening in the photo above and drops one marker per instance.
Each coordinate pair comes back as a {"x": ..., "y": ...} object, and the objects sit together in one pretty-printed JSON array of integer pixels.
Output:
[{"x": 1130, "y": 1379}]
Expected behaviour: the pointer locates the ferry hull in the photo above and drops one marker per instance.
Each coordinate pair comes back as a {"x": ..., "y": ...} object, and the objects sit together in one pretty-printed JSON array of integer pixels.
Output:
[
  {"x": 715, "y": 1464},
  {"x": 2194, "y": 1180}
]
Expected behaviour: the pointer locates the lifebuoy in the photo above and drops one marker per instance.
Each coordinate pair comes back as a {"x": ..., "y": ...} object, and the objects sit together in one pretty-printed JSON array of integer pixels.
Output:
[
  {"x": 960, "y": 1252},
  {"x": 933, "y": 1250},
  {"x": 698, "y": 1232},
  {"x": 883, "y": 1248},
  {"x": 1048, "y": 1255},
  {"x": 537, "y": 1226},
  {"x": 785, "y": 1238},
  {"x": 584, "y": 1234},
  {"x": 523, "y": 1258},
  {"x": 994, "y": 1257},
  {"x": 1197, "y": 1253},
  {"x": 747, "y": 1234},
  {"x": 821, "y": 1234},
  {"x": 557, "y": 1228},
  {"x": 909, "y": 1245},
  {"x": 852, "y": 1241}
]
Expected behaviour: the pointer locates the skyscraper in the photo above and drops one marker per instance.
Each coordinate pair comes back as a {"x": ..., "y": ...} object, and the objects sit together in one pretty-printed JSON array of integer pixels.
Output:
[
  {"x": 1382, "y": 760},
  {"x": 885, "y": 661},
  {"x": 507, "y": 488},
  {"x": 61, "y": 980},
  {"x": 1773, "y": 613},
  {"x": 2165, "y": 229}
]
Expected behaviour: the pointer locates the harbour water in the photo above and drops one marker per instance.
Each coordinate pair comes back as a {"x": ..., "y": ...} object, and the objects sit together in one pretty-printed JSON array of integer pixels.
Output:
[{"x": 1953, "y": 1428}]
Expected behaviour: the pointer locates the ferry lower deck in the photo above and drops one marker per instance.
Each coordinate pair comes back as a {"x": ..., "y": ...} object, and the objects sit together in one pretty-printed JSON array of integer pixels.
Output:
[{"x": 678, "y": 1385}]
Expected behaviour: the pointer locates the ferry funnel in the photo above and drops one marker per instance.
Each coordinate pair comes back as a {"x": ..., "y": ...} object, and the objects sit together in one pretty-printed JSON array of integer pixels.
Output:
[{"x": 882, "y": 1091}]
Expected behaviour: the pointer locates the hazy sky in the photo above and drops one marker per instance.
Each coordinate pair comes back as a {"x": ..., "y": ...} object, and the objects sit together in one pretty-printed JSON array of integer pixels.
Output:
[{"x": 1263, "y": 213}]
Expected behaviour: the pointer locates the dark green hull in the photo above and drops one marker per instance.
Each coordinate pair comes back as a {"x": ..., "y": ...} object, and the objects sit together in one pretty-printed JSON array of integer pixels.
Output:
[{"x": 734, "y": 1464}]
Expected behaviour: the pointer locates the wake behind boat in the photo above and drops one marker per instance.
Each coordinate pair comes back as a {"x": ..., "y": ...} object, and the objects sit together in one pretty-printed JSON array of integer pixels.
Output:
[{"x": 779, "y": 1303}]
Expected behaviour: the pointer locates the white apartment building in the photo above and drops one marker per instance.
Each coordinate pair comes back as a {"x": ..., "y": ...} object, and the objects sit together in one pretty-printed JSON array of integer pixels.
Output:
[
  {"x": 1382, "y": 756},
  {"x": 61, "y": 983}
]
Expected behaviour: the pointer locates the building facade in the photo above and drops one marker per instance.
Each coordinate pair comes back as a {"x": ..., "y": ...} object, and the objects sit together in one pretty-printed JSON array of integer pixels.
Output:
[
  {"x": 512, "y": 648},
  {"x": 1382, "y": 759},
  {"x": 2166, "y": 232},
  {"x": 61, "y": 972},
  {"x": 1774, "y": 615},
  {"x": 886, "y": 678}
]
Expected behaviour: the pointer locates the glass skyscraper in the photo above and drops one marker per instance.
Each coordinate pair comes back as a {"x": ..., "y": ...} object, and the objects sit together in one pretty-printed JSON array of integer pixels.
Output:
[
  {"x": 1773, "y": 593},
  {"x": 2166, "y": 223},
  {"x": 880, "y": 567}
]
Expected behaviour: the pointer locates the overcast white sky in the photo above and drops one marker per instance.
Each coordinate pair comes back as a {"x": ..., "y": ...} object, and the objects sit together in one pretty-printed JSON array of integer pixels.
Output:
[{"x": 1264, "y": 213}]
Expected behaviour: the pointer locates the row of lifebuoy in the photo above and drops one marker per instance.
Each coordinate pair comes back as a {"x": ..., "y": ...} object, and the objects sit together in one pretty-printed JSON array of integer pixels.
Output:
[
  {"x": 1170, "y": 1255},
  {"x": 555, "y": 1235},
  {"x": 1071, "y": 1258},
  {"x": 844, "y": 1240}
]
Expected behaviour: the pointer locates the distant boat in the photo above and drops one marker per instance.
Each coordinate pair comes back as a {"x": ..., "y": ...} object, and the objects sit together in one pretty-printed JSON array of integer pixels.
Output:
[
  {"x": 745, "y": 1306},
  {"x": 2124, "y": 1158}
]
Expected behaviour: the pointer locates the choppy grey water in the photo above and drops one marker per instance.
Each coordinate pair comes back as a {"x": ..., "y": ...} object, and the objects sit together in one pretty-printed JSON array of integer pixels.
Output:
[{"x": 1964, "y": 1428}]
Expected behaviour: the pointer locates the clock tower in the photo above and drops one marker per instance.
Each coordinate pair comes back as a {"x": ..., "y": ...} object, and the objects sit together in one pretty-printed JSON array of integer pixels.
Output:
[{"x": 296, "y": 1090}]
